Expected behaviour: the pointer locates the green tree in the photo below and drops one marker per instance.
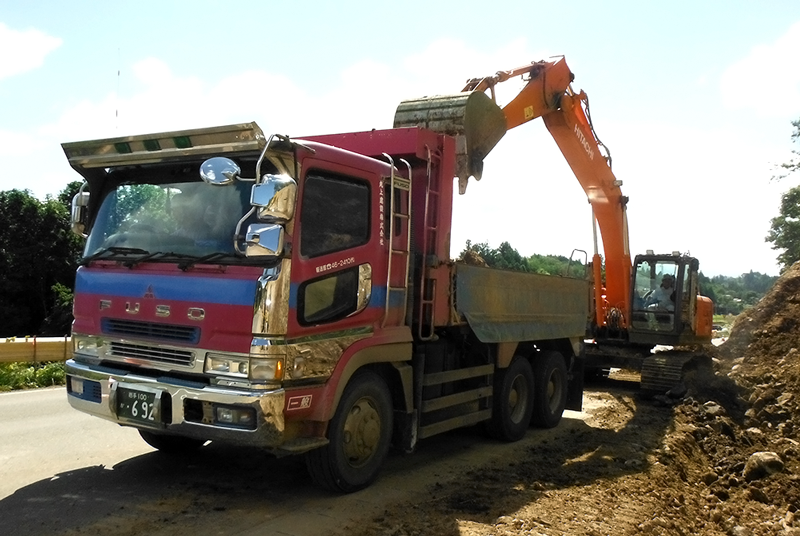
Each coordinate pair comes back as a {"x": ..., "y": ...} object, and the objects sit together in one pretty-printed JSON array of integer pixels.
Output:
[
  {"x": 784, "y": 232},
  {"x": 504, "y": 256},
  {"x": 794, "y": 164},
  {"x": 38, "y": 258},
  {"x": 556, "y": 265},
  {"x": 731, "y": 295}
]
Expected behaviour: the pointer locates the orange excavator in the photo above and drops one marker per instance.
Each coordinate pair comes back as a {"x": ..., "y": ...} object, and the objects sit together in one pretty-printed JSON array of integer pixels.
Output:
[{"x": 651, "y": 301}]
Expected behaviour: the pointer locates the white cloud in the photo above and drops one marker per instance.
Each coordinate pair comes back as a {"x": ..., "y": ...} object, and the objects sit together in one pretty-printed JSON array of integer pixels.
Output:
[
  {"x": 16, "y": 144},
  {"x": 29, "y": 50},
  {"x": 766, "y": 80}
]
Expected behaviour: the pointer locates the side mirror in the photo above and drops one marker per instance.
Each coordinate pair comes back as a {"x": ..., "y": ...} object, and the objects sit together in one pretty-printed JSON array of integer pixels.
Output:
[
  {"x": 275, "y": 198},
  {"x": 220, "y": 171},
  {"x": 80, "y": 210},
  {"x": 263, "y": 240}
]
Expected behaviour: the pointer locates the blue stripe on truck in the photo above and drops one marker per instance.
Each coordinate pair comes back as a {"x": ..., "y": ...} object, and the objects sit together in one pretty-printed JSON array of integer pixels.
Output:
[{"x": 166, "y": 287}]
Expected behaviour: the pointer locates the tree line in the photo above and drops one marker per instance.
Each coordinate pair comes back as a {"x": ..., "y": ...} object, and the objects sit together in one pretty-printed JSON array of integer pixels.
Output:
[
  {"x": 38, "y": 257},
  {"x": 731, "y": 295}
]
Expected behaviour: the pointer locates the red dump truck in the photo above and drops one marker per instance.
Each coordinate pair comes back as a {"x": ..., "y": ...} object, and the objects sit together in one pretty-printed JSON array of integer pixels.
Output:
[{"x": 297, "y": 294}]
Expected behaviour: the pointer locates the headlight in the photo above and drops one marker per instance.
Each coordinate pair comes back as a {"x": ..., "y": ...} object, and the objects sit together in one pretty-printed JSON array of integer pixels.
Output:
[
  {"x": 244, "y": 367},
  {"x": 227, "y": 365},
  {"x": 86, "y": 344}
]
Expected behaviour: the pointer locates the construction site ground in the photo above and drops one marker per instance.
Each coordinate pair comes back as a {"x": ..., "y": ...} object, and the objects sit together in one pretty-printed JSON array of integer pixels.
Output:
[{"x": 721, "y": 458}]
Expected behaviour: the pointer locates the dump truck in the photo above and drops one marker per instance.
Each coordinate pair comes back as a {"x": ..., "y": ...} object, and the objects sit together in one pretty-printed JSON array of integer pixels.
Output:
[{"x": 298, "y": 295}]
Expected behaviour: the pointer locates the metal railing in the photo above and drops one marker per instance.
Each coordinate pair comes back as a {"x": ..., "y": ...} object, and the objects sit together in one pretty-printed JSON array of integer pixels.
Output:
[{"x": 35, "y": 349}]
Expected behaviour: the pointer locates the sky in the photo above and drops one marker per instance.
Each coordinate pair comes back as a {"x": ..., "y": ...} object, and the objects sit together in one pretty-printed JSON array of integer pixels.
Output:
[{"x": 694, "y": 99}]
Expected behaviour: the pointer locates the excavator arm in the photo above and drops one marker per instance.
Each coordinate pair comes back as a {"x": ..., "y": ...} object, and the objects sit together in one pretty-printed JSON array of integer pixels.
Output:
[{"x": 548, "y": 94}]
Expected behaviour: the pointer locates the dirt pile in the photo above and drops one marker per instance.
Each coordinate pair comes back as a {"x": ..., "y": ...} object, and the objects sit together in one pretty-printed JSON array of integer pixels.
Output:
[
  {"x": 723, "y": 460},
  {"x": 735, "y": 437}
]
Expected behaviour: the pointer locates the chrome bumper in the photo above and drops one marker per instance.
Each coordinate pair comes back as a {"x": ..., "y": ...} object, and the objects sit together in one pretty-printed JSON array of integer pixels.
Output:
[{"x": 268, "y": 405}]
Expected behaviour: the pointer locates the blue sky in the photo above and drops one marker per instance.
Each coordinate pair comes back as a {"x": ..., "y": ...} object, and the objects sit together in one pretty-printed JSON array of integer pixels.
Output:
[{"x": 694, "y": 99}]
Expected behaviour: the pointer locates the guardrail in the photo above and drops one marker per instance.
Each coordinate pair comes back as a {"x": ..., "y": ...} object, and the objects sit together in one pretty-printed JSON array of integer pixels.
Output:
[{"x": 35, "y": 349}]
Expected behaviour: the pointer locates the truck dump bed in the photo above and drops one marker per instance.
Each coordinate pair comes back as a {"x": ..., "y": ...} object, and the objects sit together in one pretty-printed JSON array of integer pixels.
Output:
[{"x": 507, "y": 306}]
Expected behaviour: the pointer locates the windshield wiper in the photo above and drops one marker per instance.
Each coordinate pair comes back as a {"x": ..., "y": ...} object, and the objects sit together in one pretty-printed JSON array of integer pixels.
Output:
[
  {"x": 186, "y": 260},
  {"x": 185, "y": 265},
  {"x": 133, "y": 262},
  {"x": 161, "y": 255},
  {"x": 110, "y": 252}
]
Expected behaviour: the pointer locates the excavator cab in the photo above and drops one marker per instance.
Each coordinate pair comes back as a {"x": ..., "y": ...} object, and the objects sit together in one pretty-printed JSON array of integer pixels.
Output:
[{"x": 666, "y": 307}]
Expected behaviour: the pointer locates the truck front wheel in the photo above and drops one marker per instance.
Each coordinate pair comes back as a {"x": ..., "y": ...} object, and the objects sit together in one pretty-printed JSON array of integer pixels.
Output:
[
  {"x": 512, "y": 401},
  {"x": 550, "y": 371},
  {"x": 359, "y": 435}
]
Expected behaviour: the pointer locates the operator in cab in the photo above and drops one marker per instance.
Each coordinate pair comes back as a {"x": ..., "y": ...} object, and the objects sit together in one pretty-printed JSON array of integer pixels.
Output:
[{"x": 662, "y": 298}]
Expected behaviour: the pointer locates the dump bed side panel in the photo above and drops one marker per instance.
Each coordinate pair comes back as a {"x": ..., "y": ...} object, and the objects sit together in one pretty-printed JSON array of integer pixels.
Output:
[{"x": 506, "y": 306}]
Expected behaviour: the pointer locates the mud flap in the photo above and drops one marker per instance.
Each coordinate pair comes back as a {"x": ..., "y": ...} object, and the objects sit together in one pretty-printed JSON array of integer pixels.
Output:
[{"x": 575, "y": 387}]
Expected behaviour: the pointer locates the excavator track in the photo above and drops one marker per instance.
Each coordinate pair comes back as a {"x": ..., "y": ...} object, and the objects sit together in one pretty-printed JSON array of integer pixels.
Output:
[
  {"x": 665, "y": 370},
  {"x": 661, "y": 371}
]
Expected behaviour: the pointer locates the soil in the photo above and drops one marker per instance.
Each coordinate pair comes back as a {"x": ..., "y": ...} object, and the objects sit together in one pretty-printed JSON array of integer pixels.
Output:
[
  {"x": 720, "y": 457},
  {"x": 723, "y": 459}
]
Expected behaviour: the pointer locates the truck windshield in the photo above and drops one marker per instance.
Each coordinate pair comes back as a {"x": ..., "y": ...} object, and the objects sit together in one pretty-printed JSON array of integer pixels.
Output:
[{"x": 161, "y": 221}]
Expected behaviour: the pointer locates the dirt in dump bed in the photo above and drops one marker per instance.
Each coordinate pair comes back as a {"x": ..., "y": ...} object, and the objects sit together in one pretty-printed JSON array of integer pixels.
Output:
[{"x": 722, "y": 460}]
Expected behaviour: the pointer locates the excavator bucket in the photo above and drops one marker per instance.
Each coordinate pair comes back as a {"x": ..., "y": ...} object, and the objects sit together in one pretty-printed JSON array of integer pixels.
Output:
[{"x": 476, "y": 122}]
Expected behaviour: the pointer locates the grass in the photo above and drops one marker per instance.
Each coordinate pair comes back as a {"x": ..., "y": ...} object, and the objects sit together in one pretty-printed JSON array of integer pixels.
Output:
[{"x": 29, "y": 375}]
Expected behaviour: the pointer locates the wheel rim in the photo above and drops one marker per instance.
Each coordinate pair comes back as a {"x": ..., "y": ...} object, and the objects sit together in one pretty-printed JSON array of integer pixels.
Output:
[
  {"x": 517, "y": 398},
  {"x": 362, "y": 432}
]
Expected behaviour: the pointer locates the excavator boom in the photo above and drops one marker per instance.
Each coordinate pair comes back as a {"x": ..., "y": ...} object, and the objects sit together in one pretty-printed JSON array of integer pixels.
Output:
[
  {"x": 548, "y": 94},
  {"x": 476, "y": 122}
]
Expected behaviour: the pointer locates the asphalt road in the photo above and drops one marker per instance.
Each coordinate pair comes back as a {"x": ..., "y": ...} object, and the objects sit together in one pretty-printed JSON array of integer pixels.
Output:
[{"x": 64, "y": 472}]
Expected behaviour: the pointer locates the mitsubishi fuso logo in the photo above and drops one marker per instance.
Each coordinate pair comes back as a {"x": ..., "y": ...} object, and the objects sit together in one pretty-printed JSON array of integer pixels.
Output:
[{"x": 161, "y": 310}]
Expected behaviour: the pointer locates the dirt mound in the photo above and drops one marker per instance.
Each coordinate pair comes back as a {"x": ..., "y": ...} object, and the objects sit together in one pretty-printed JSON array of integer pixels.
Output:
[
  {"x": 763, "y": 356},
  {"x": 472, "y": 258},
  {"x": 736, "y": 440},
  {"x": 770, "y": 330},
  {"x": 723, "y": 460}
]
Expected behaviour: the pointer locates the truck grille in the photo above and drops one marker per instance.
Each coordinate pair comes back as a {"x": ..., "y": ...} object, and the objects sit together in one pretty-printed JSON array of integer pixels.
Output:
[
  {"x": 151, "y": 330},
  {"x": 152, "y": 353}
]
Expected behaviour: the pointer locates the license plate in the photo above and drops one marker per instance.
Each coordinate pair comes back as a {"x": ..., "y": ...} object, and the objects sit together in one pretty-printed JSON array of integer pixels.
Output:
[{"x": 139, "y": 406}]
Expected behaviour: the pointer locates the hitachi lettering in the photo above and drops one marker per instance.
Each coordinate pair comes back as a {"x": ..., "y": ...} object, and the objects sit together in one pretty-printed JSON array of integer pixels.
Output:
[{"x": 582, "y": 139}]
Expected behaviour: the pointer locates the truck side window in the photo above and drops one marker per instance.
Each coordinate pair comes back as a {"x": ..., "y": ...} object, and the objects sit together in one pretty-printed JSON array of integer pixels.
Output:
[
  {"x": 328, "y": 298},
  {"x": 335, "y": 214}
]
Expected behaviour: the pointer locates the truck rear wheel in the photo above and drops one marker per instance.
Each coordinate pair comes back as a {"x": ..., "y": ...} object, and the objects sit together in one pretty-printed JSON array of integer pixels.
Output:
[
  {"x": 171, "y": 444},
  {"x": 359, "y": 434},
  {"x": 550, "y": 371},
  {"x": 512, "y": 401}
]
